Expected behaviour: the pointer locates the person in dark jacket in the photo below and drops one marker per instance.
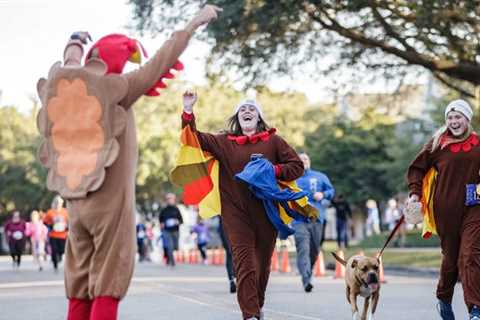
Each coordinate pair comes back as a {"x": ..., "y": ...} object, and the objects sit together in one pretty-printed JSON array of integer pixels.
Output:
[
  {"x": 343, "y": 214},
  {"x": 170, "y": 220}
]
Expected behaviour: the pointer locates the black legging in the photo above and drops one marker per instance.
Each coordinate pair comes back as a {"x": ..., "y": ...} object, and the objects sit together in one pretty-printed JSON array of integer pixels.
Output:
[
  {"x": 58, "y": 248},
  {"x": 228, "y": 252},
  {"x": 202, "y": 248},
  {"x": 16, "y": 250}
]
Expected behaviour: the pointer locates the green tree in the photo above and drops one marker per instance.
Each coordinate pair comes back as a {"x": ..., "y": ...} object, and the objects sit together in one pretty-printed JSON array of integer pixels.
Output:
[
  {"x": 365, "y": 158},
  {"x": 22, "y": 179},
  {"x": 259, "y": 39}
]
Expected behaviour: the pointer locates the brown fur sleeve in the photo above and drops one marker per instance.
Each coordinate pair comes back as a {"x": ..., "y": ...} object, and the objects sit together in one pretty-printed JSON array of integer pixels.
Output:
[
  {"x": 418, "y": 168},
  {"x": 291, "y": 167},
  {"x": 209, "y": 142},
  {"x": 139, "y": 81}
]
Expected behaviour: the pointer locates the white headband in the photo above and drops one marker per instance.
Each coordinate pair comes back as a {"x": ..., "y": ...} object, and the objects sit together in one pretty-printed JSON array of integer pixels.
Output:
[
  {"x": 461, "y": 106},
  {"x": 250, "y": 102}
]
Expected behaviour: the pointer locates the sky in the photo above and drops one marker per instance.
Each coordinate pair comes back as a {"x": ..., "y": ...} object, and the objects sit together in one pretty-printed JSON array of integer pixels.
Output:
[{"x": 33, "y": 35}]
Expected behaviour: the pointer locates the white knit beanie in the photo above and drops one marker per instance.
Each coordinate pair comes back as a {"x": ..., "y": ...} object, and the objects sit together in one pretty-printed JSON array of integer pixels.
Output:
[
  {"x": 461, "y": 106},
  {"x": 250, "y": 102}
]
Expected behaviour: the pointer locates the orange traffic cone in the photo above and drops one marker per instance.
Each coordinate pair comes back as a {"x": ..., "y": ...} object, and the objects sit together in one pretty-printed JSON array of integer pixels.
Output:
[
  {"x": 320, "y": 266},
  {"x": 210, "y": 256},
  {"x": 222, "y": 256},
  {"x": 274, "y": 265},
  {"x": 176, "y": 256},
  {"x": 190, "y": 256},
  {"x": 339, "y": 268},
  {"x": 381, "y": 274},
  {"x": 216, "y": 256},
  {"x": 285, "y": 262},
  {"x": 193, "y": 257}
]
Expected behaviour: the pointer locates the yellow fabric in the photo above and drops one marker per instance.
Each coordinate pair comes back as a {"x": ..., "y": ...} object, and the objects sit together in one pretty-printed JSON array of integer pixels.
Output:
[
  {"x": 301, "y": 205},
  {"x": 428, "y": 187},
  {"x": 210, "y": 205}
]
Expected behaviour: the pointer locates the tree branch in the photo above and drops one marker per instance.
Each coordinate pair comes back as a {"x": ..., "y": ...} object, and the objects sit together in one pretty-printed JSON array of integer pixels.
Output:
[
  {"x": 462, "y": 71},
  {"x": 449, "y": 84},
  {"x": 389, "y": 30}
]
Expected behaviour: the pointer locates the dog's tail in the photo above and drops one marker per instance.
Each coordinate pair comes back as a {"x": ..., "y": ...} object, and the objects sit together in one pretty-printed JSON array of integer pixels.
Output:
[{"x": 339, "y": 259}]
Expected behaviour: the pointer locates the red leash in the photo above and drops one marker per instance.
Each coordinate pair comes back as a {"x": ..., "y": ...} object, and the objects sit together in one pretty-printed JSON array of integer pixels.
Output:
[{"x": 390, "y": 237}]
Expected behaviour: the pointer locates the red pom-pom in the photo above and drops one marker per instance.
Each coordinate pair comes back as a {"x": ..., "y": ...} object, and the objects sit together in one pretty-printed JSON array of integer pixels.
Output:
[{"x": 178, "y": 66}]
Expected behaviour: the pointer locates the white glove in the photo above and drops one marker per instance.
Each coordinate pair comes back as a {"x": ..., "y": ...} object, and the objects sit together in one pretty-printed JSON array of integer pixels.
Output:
[{"x": 413, "y": 212}]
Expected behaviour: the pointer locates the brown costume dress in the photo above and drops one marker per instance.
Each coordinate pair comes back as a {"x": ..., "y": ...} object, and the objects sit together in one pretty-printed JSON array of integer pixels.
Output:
[
  {"x": 251, "y": 235},
  {"x": 90, "y": 149},
  {"x": 458, "y": 226}
]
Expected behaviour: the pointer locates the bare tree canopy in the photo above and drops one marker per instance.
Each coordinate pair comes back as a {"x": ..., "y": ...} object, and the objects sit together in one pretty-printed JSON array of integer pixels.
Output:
[{"x": 257, "y": 38}]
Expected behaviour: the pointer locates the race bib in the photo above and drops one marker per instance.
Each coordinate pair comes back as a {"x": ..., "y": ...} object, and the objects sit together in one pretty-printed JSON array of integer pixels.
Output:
[
  {"x": 472, "y": 196},
  {"x": 17, "y": 235},
  {"x": 141, "y": 234},
  {"x": 59, "y": 226},
  {"x": 172, "y": 222},
  {"x": 313, "y": 184}
]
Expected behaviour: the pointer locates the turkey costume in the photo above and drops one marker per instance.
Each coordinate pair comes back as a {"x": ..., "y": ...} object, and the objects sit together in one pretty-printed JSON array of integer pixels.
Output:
[
  {"x": 455, "y": 162},
  {"x": 251, "y": 234},
  {"x": 90, "y": 150}
]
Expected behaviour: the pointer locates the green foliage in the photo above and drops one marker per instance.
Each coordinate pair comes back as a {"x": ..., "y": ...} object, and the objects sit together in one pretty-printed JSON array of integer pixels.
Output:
[
  {"x": 22, "y": 179},
  {"x": 256, "y": 40},
  {"x": 365, "y": 158}
]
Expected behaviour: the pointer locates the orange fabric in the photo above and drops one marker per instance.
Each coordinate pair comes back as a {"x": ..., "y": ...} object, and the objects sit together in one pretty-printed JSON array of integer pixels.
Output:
[
  {"x": 55, "y": 217},
  {"x": 73, "y": 111}
]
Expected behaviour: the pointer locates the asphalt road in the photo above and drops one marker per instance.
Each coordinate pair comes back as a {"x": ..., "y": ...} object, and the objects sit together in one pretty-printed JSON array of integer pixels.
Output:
[{"x": 200, "y": 292}]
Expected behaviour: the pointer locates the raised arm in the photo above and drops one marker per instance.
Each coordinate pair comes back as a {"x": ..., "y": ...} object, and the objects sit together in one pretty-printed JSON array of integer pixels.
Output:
[
  {"x": 208, "y": 142},
  {"x": 289, "y": 166},
  {"x": 139, "y": 81}
]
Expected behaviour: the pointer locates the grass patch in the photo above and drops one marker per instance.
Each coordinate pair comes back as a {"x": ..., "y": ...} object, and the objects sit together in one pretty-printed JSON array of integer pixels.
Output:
[
  {"x": 413, "y": 239},
  {"x": 394, "y": 258}
]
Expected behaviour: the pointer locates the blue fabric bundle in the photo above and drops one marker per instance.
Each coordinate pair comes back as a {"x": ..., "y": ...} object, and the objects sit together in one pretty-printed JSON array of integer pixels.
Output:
[{"x": 259, "y": 174}]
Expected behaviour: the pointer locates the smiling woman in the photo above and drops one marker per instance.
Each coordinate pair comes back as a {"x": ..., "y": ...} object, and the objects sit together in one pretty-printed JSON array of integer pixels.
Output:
[
  {"x": 454, "y": 154},
  {"x": 245, "y": 222},
  {"x": 247, "y": 119}
]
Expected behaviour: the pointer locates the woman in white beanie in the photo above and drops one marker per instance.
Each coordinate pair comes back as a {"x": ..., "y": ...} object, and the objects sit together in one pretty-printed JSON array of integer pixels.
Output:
[
  {"x": 250, "y": 233},
  {"x": 454, "y": 153}
]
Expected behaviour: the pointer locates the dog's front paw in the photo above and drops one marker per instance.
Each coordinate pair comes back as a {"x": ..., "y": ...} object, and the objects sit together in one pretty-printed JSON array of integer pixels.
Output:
[
  {"x": 371, "y": 317},
  {"x": 355, "y": 316}
]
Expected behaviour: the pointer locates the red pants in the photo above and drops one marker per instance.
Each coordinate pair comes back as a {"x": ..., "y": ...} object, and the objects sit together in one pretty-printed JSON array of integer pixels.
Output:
[{"x": 100, "y": 308}]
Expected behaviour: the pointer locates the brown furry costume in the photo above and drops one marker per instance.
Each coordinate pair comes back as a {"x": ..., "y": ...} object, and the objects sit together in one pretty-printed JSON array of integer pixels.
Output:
[{"x": 90, "y": 149}]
